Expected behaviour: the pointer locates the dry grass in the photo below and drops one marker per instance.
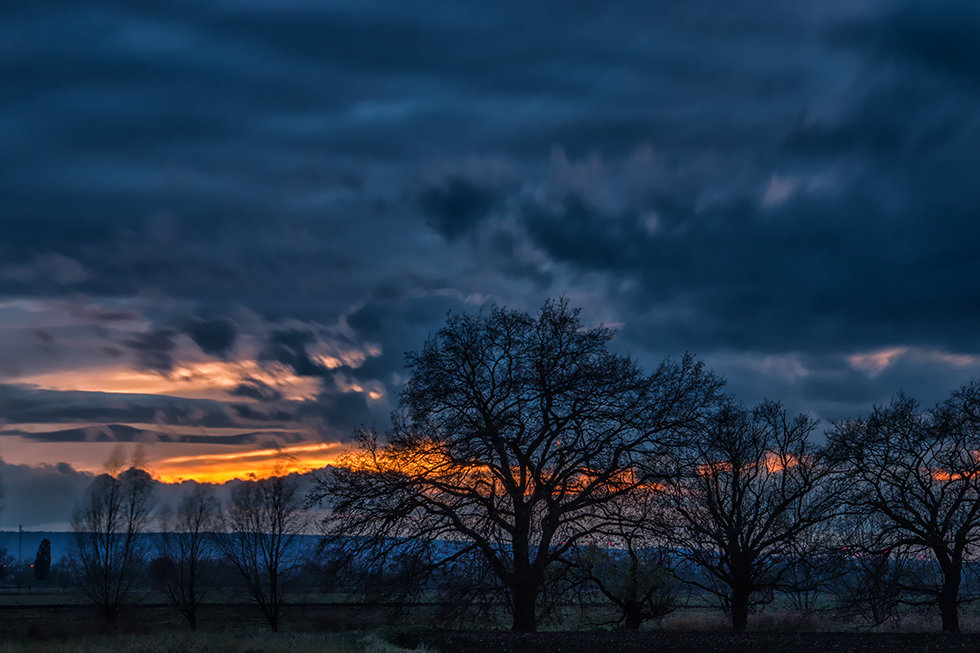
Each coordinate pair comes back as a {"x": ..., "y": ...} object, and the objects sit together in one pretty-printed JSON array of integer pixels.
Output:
[{"x": 211, "y": 643}]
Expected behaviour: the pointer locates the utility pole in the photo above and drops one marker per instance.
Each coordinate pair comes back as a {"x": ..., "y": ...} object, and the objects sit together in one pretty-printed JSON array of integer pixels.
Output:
[{"x": 20, "y": 543}]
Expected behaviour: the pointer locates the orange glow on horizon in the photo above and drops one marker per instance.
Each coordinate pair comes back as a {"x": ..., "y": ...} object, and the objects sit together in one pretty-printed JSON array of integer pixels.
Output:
[{"x": 222, "y": 467}]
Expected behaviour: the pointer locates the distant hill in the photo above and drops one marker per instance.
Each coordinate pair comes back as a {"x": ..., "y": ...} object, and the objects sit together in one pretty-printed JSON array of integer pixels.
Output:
[{"x": 60, "y": 541}]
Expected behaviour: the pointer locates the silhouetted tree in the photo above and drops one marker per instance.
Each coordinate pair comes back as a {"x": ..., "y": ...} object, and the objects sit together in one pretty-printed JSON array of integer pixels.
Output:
[
  {"x": 6, "y": 564},
  {"x": 108, "y": 555},
  {"x": 629, "y": 563},
  {"x": 186, "y": 569},
  {"x": 918, "y": 472},
  {"x": 744, "y": 495},
  {"x": 816, "y": 567},
  {"x": 513, "y": 437},
  {"x": 6, "y": 560},
  {"x": 260, "y": 537},
  {"x": 42, "y": 561},
  {"x": 871, "y": 581},
  {"x": 637, "y": 579}
]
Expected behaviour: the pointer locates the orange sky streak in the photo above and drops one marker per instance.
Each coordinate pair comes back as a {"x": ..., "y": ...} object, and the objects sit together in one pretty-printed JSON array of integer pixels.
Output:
[{"x": 218, "y": 468}]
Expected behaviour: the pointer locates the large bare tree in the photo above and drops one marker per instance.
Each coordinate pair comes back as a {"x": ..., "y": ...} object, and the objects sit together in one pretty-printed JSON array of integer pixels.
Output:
[
  {"x": 108, "y": 553},
  {"x": 514, "y": 437},
  {"x": 261, "y": 536},
  {"x": 744, "y": 495},
  {"x": 918, "y": 472},
  {"x": 186, "y": 569}
]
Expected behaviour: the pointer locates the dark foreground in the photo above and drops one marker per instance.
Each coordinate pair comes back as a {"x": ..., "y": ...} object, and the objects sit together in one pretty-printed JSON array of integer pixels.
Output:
[
  {"x": 40, "y": 627},
  {"x": 668, "y": 642}
]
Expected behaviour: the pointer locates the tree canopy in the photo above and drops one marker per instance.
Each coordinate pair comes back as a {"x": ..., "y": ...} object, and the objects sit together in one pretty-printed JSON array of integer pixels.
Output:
[{"x": 514, "y": 439}]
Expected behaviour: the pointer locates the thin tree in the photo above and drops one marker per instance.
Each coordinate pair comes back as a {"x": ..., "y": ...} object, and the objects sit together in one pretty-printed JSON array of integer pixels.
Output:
[
  {"x": 630, "y": 564},
  {"x": 6, "y": 559},
  {"x": 6, "y": 564},
  {"x": 637, "y": 579},
  {"x": 261, "y": 536},
  {"x": 514, "y": 436},
  {"x": 744, "y": 495},
  {"x": 871, "y": 581},
  {"x": 918, "y": 472},
  {"x": 186, "y": 570},
  {"x": 108, "y": 553},
  {"x": 42, "y": 561}
]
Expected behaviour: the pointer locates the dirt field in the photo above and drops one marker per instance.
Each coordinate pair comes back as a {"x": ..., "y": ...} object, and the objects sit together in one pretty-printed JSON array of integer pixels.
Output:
[
  {"x": 230, "y": 628},
  {"x": 666, "y": 642},
  {"x": 67, "y": 621}
]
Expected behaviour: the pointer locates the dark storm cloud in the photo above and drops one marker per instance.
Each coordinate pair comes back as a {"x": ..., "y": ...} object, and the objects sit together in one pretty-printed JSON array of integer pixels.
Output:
[
  {"x": 768, "y": 179},
  {"x": 289, "y": 348},
  {"x": 213, "y": 337},
  {"x": 456, "y": 208},
  {"x": 255, "y": 389},
  {"x": 125, "y": 433},
  {"x": 154, "y": 349},
  {"x": 23, "y": 405},
  {"x": 42, "y": 494},
  {"x": 940, "y": 37},
  {"x": 400, "y": 324}
]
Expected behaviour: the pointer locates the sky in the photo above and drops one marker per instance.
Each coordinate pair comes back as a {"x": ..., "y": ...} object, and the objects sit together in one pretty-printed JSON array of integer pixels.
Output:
[{"x": 223, "y": 224}]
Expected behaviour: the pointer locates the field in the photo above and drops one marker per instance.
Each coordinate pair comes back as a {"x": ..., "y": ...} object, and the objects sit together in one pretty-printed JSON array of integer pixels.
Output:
[{"x": 57, "y": 622}]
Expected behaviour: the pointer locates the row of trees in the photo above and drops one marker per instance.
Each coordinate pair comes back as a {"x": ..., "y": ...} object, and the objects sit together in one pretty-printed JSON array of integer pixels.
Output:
[
  {"x": 520, "y": 439},
  {"x": 256, "y": 534},
  {"x": 522, "y": 442}
]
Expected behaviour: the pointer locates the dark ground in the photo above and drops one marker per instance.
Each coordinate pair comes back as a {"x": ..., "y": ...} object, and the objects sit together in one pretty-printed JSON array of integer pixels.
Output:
[
  {"x": 669, "y": 642},
  {"x": 67, "y": 622}
]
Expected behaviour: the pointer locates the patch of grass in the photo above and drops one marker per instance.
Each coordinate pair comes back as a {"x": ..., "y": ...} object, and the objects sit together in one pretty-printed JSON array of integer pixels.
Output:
[{"x": 210, "y": 643}]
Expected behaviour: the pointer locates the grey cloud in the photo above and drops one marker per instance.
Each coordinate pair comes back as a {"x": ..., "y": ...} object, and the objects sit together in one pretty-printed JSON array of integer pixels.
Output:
[
  {"x": 457, "y": 207},
  {"x": 30, "y": 405},
  {"x": 235, "y": 154},
  {"x": 125, "y": 433},
  {"x": 154, "y": 349},
  {"x": 255, "y": 389},
  {"x": 213, "y": 337},
  {"x": 42, "y": 494}
]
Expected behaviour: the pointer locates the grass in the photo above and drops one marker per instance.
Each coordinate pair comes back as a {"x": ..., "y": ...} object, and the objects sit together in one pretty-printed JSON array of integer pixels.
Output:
[{"x": 210, "y": 643}]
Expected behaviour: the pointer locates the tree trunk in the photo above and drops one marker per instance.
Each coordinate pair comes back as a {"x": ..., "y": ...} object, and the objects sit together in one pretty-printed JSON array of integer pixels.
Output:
[
  {"x": 740, "y": 609},
  {"x": 525, "y": 603},
  {"x": 951, "y": 619},
  {"x": 949, "y": 594},
  {"x": 947, "y": 601},
  {"x": 633, "y": 617}
]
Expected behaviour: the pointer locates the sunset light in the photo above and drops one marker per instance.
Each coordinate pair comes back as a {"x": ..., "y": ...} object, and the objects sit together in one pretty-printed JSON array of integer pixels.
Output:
[
  {"x": 371, "y": 315},
  {"x": 204, "y": 380},
  {"x": 219, "y": 468}
]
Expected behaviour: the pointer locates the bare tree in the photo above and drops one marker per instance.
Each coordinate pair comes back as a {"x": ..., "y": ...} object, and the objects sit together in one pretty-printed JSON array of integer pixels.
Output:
[
  {"x": 744, "y": 495},
  {"x": 6, "y": 564},
  {"x": 186, "y": 569},
  {"x": 814, "y": 571},
  {"x": 918, "y": 471},
  {"x": 871, "y": 581},
  {"x": 108, "y": 553},
  {"x": 6, "y": 559},
  {"x": 261, "y": 537},
  {"x": 629, "y": 562},
  {"x": 513, "y": 437},
  {"x": 637, "y": 579}
]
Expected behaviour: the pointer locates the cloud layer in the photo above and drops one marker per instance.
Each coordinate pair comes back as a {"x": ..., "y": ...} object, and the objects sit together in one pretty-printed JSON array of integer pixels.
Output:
[{"x": 240, "y": 215}]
